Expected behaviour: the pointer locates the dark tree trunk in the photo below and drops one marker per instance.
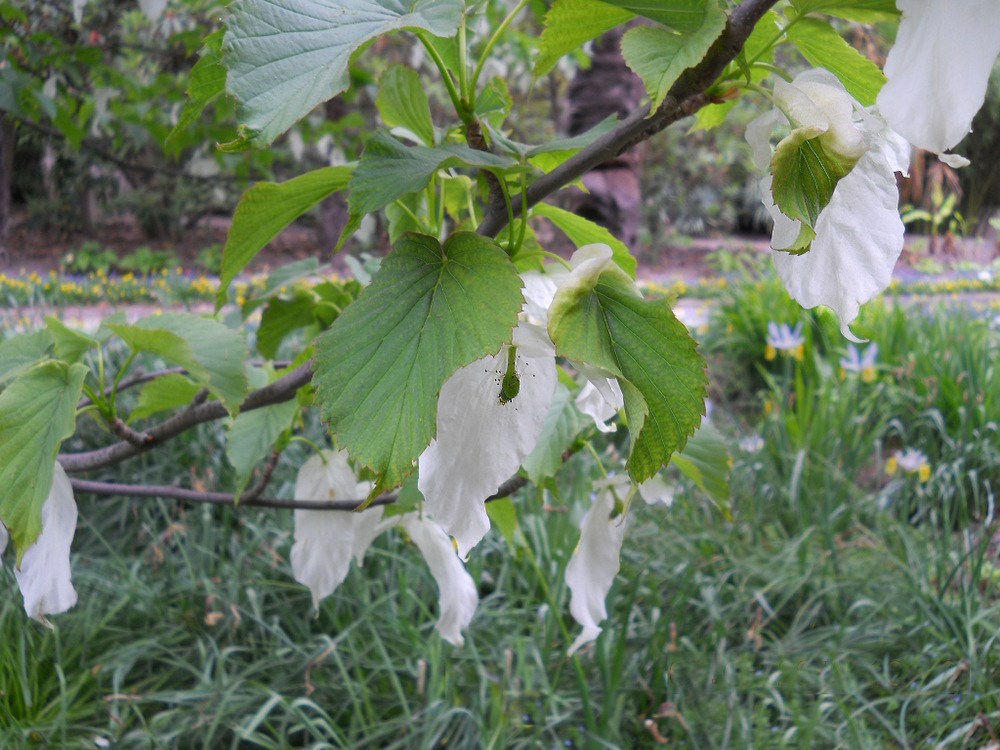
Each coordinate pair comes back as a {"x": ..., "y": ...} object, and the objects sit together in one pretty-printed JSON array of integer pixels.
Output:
[
  {"x": 607, "y": 88},
  {"x": 8, "y": 137}
]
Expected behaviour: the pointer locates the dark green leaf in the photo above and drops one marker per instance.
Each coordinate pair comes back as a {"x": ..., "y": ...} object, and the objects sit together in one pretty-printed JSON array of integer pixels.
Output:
[
  {"x": 428, "y": 311},
  {"x": 251, "y": 437},
  {"x": 208, "y": 82},
  {"x": 562, "y": 424},
  {"x": 161, "y": 394},
  {"x": 22, "y": 352}
]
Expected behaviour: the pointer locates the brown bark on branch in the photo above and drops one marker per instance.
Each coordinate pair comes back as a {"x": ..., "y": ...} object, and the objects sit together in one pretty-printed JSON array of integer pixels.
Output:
[{"x": 685, "y": 98}]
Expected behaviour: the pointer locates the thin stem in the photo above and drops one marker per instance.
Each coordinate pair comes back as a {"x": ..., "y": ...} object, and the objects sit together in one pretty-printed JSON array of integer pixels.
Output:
[
  {"x": 463, "y": 68},
  {"x": 456, "y": 99},
  {"x": 773, "y": 41},
  {"x": 114, "y": 388},
  {"x": 493, "y": 40}
]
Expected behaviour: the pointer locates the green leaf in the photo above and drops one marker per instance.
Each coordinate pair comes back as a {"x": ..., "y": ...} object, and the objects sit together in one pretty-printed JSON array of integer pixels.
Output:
[
  {"x": 428, "y": 311},
  {"x": 494, "y": 102},
  {"x": 265, "y": 210},
  {"x": 705, "y": 461},
  {"x": 251, "y": 437},
  {"x": 823, "y": 47},
  {"x": 285, "y": 57},
  {"x": 281, "y": 317},
  {"x": 503, "y": 516},
  {"x": 37, "y": 412},
  {"x": 402, "y": 102},
  {"x": 70, "y": 344},
  {"x": 20, "y": 353},
  {"x": 685, "y": 16},
  {"x": 570, "y": 24},
  {"x": 583, "y": 231},
  {"x": 207, "y": 83},
  {"x": 660, "y": 55},
  {"x": 562, "y": 424},
  {"x": 211, "y": 353},
  {"x": 389, "y": 169},
  {"x": 859, "y": 11},
  {"x": 282, "y": 277},
  {"x": 806, "y": 174},
  {"x": 609, "y": 325},
  {"x": 161, "y": 394}
]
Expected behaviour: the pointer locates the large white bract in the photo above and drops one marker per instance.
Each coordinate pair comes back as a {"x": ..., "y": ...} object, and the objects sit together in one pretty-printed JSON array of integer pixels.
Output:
[
  {"x": 859, "y": 234},
  {"x": 594, "y": 565},
  {"x": 938, "y": 71},
  {"x": 44, "y": 574}
]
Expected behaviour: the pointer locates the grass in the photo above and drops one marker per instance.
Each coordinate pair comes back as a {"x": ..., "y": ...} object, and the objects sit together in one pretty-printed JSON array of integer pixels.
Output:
[{"x": 839, "y": 606}]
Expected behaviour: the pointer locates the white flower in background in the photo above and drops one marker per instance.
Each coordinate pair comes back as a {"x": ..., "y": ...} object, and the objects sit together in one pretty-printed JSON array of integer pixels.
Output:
[
  {"x": 457, "y": 594},
  {"x": 751, "y": 444},
  {"x": 482, "y": 436},
  {"x": 784, "y": 338},
  {"x": 938, "y": 71},
  {"x": 44, "y": 574},
  {"x": 859, "y": 234},
  {"x": 325, "y": 541},
  {"x": 594, "y": 565},
  {"x": 857, "y": 363},
  {"x": 657, "y": 492},
  {"x": 911, "y": 461}
]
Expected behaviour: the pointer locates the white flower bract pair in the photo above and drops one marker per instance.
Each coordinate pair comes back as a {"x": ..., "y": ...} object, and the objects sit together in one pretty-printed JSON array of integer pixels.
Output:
[
  {"x": 326, "y": 541},
  {"x": 859, "y": 234}
]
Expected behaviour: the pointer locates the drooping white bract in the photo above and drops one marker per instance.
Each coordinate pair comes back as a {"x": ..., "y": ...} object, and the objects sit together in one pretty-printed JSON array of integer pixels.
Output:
[
  {"x": 594, "y": 565},
  {"x": 457, "y": 594},
  {"x": 859, "y": 234},
  {"x": 44, "y": 574},
  {"x": 601, "y": 405},
  {"x": 655, "y": 491},
  {"x": 325, "y": 541},
  {"x": 480, "y": 441},
  {"x": 938, "y": 71}
]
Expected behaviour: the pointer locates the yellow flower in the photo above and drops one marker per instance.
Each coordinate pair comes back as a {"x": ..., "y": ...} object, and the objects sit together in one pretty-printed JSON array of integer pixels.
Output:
[
  {"x": 770, "y": 353},
  {"x": 868, "y": 375},
  {"x": 891, "y": 466},
  {"x": 925, "y": 472}
]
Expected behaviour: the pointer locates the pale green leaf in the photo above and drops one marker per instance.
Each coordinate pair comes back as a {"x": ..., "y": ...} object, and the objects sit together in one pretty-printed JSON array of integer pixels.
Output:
[
  {"x": 494, "y": 102},
  {"x": 659, "y": 55},
  {"x": 583, "y": 231},
  {"x": 285, "y": 57},
  {"x": 70, "y": 344},
  {"x": 562, "y": 424},
  {"x": 37, "y": 412},
  {"x": 859, "y": 11},
  {"x": 389, "y": 169},
  {"x": 169, "y": 392},
  {"x": 639, "y": 341},
  {"x": 266, "y": 209},
  {"x": 207, "y": 82},
  {"x": 402, "y": 102},
  {"x": 20, "y": 353},
  {"x": 823, "y": 47},
  {"x": 428, "y": 311},
  {"x": 685, "y": 16},
  {"x": 503, "y": 516},
  {"x": 805, "y": 175},
  {"x": 212, "y": 354},
  {"x": 252, "y": 436},
  {"x": 570, "y": 24},
  {"x": 705, "y": 461}
]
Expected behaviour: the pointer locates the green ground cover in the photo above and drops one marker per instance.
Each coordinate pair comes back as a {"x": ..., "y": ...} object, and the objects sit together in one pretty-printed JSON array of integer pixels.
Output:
[{"x": 844, "y": 597}]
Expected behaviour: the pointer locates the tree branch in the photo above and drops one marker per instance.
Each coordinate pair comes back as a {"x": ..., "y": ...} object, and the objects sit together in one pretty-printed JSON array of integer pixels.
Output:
[
  {"x": 685, "y": 98},
  {"x": 249, "y": 498},
  {"x": 283, "y": 389}
]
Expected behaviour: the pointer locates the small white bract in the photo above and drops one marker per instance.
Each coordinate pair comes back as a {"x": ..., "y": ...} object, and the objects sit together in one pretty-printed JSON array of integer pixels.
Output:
[
  {"x": 657, "y": 492},
  {"x": 594, "y": 565},
  {"x": 44, "y": 575},
  {"x": 751, "y": 443},
  {"x": 938, "y": 71}
]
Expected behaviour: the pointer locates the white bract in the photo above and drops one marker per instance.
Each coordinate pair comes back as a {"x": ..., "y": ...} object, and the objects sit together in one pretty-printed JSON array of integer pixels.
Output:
[
  {"x": 594, "y": 565},
  {"x": 457, "y": 594},
  {"x": 325, "y": 541},
  {"x": 595, "y": 403},
  {"x": 44, "y": 574},
  {"x": 481, "y": 439},
  {"x": 859, "y": 234},
  {"x": 938, "y": 71},
  {"x": 657, "y": 492}
]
